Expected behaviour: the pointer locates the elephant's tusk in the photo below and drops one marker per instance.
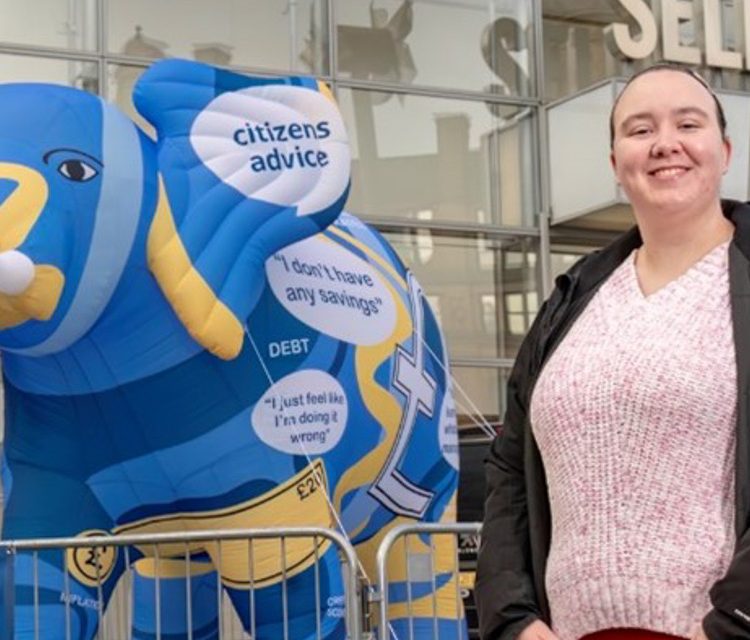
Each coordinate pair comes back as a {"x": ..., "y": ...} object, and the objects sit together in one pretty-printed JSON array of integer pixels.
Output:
[
  {"x": 16, "y": 272},
  {"x": 39, "y": 298}
]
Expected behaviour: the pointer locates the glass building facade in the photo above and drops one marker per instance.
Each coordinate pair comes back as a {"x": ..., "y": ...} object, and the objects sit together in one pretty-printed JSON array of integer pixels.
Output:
[{"x": 478, "y": 127}]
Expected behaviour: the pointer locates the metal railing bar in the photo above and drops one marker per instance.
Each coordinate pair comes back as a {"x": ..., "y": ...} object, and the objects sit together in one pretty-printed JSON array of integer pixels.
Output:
[
  {"x": 251, "y": 554},
  {"x": 457, "y": 566},
  {"x": 318, "y": 632},
  {"x": 157, "y": 589},
  {"x": 219, "y": 591},
  {"x": 434, "y": 588},
  {"x": 189, "y": 591},
  {"x": 208, "y": 535},
  {"x": 284, "y": 595},
  {"x": 409, "y": 594},
  {"x": 130, "y": 599},
  {"x": 35, "y": 563},
  {"x": 101, "y": 632},
  {"x": 66, "y": 593}
]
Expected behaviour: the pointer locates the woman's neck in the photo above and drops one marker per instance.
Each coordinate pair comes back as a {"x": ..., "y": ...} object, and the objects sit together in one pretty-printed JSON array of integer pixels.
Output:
[{"x": 671, "y": 247}]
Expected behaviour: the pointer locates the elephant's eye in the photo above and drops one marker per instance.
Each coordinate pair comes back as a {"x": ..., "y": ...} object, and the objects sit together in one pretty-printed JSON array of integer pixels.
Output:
[{"x": 77, "y": 170}]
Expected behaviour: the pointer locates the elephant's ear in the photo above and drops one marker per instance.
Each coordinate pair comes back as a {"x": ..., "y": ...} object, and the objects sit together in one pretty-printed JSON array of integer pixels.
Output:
[{"x": 248, "y": 165}]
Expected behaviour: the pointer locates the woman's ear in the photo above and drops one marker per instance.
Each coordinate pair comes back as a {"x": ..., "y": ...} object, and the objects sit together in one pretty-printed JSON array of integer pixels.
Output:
[
  {"x": 613, "y": 163},
  {"x": 727, "y": 154}
]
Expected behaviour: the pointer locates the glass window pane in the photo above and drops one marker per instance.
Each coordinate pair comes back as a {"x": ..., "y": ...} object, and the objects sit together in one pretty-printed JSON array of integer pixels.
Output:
[
  {"x": 467, "y": 292},
  {"x": 516, "y": 324},
  {"x": 64, "y": 24},
  {"x": 479, "y": 394},
  {"x": 577, "y": 54},
  {"x": 477, "y": 45},
  {"x": 120, "y": 82},
  {"x": 532, "y": 301},
  {"x": 74, "y": 73},
  {"x": 422, "y": 158},
  {"x": 265, "y": 34},
  {"x": 514, "y": 302},
  {"x": 575, "y": 51}
]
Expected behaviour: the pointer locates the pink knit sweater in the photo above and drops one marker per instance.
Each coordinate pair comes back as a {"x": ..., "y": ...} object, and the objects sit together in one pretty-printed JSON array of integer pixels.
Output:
[{"x": 634, "y": 414}]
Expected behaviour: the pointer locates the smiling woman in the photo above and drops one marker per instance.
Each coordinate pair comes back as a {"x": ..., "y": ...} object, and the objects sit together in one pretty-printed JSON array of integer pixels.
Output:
[
  {"x": 616, "y": 492},
  {"x": 669, "y": 151}
]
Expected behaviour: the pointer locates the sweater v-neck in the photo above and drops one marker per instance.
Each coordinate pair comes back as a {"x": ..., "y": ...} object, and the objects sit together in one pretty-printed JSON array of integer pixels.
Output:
[{"x": 698, "y": 275}]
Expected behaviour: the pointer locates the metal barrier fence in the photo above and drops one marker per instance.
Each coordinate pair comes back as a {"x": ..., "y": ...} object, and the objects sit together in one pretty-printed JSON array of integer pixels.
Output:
[
  {"x": 165, "y": 547},
  {"x": 116, "y": 623},
  {"x": 385, "y": 551}
]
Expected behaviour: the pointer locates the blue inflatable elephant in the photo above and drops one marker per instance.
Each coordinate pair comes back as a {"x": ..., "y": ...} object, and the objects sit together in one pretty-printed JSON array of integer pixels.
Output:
[{"x": 195, "y": 337}]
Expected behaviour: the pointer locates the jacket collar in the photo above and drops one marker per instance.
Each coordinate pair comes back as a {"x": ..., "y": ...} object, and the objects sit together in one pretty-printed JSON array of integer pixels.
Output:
[
  {"x": 739, "y": 214},
  {"x": 593, "y": 269},
  {"x": 589, "y": 272}
]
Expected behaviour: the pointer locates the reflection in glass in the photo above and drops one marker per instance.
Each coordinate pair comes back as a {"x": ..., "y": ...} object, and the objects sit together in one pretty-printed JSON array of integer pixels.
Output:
[
  {"x": 478, "y": 317},
  {"x": 477, "y": 45},
  {"x": 520, "y": 311},
  {"x": 263, "y": 34},
  {"x": 63, "y": 24},
  {"x": 575, "y": 51},
  {"x": 74, "y": 73},
  {"x": 577, "y": 54},
  {"x": 459, "y": 161},
  {"x": 120, "y": 82}
]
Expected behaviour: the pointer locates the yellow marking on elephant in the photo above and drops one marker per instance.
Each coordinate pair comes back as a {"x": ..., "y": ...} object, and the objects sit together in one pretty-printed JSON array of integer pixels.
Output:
[
  {"x": 208, "y": 320},
  {"x": 171, "y": 568},
  {"x": 375, "y": 257},
  {"x": 379, "y": 402},
  {"x": 91, "y": 565},
  {"x": 38, "y": 302},
  {"x": 383, "y": 406},
  {"x": 449, "y": 605},
  {"x": 300, "y": 501},
  {"x": 22, "y": 208}
]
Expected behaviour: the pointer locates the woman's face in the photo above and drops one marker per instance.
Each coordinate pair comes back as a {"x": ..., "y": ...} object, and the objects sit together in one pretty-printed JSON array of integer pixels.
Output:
[{"x": 668, "y": 152}]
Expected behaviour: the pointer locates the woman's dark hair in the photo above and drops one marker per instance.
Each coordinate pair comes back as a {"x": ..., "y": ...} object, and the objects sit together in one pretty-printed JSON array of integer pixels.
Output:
[{"x": 668, "y": 66}]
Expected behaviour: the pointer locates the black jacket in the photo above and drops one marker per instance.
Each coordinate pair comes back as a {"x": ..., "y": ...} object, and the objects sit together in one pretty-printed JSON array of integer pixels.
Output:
[{"x": 510, "y": 591}]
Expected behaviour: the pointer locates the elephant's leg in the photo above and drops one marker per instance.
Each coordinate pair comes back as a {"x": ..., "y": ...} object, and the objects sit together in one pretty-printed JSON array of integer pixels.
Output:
[
  {"x": 183, "y": 603},
  {"x": 308, "y": 605},
  {"x": 43, "y": 594}
]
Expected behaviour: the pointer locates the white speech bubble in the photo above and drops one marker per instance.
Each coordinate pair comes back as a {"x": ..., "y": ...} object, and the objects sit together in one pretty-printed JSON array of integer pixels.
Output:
[
  {"x": 448, "y": 431},
  {"x": 281, "y": 144},
  {"x": 304, "y": 413},
  {"x": 332, "y": 290}
]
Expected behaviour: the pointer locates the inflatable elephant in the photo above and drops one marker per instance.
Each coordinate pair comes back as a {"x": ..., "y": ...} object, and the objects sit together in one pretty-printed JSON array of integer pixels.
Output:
[{"x": 195, "y": 337}]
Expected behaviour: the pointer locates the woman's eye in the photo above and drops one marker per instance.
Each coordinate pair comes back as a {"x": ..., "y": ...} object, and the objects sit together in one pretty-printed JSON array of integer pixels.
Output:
[
  {"x": 639, "y": 131},
  {"x": 77, "y": 170}
]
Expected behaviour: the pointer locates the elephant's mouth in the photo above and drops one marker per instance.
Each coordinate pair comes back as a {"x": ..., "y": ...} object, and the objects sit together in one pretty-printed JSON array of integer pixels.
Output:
[
  {"x": 28, "y": 291},
  {"x": 37, "y": 301}
]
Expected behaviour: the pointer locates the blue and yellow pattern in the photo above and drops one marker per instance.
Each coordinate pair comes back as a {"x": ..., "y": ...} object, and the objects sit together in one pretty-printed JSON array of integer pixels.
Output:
[{"x": 206, "y": 341}]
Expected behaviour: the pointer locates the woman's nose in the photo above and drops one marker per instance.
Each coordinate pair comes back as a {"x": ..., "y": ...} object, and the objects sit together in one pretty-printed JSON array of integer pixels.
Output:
[{"x": 666, "y": 142}]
